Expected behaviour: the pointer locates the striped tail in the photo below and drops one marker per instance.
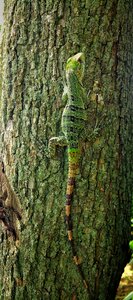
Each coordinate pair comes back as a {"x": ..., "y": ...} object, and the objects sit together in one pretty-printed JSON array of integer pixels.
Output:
[{"x": 73, "y": 159}]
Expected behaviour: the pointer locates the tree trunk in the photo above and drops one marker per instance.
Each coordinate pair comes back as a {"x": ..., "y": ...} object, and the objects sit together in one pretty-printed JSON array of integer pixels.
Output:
[{"x": 38, "y": 38}]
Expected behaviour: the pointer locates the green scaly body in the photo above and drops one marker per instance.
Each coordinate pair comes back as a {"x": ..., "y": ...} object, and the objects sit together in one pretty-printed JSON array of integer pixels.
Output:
[{"x": 73, "y": 123}]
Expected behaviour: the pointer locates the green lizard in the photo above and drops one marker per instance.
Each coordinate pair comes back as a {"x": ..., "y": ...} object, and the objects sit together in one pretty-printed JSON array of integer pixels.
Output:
[{"x": 73, "y": 123}]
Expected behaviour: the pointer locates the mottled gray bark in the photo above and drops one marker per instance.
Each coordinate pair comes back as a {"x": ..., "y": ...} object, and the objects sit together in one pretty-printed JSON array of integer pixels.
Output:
[
  {"x": 0, "y": 71},
  {"x": 38, "y": 38}
]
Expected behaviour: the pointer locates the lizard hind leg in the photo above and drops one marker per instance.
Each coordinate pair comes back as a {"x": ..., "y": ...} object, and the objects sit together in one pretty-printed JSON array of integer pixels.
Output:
[{"x": 54, "y": 143}]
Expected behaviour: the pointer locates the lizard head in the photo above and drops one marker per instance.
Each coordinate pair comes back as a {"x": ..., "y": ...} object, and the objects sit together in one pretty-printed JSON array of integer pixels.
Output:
[{"x": 76, "y": 64}]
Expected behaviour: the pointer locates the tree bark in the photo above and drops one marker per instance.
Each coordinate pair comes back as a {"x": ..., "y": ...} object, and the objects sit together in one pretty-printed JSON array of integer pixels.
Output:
[{"x": 38, "y": 38}]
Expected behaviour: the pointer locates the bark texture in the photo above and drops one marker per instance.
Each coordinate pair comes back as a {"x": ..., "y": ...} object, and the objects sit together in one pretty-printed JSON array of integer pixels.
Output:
[{"x": 38, "y": 37}]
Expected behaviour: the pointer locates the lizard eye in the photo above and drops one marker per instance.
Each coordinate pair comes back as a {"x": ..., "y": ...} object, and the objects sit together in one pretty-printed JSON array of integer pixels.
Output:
[{"x": 80, "y": 60}]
